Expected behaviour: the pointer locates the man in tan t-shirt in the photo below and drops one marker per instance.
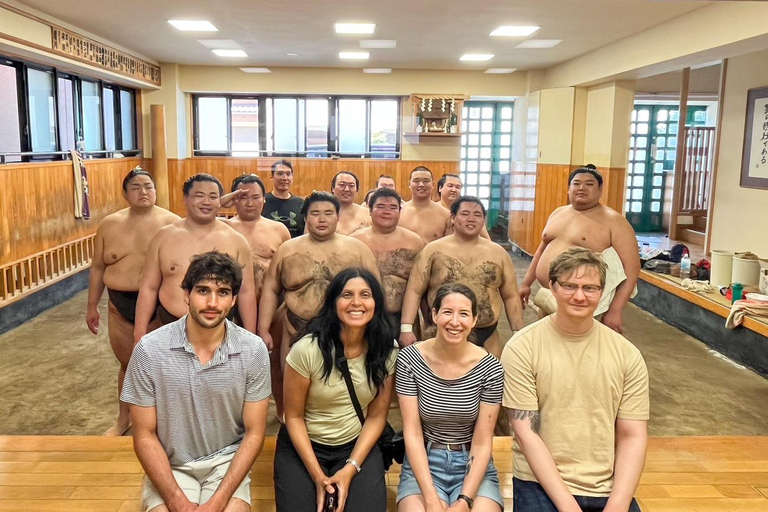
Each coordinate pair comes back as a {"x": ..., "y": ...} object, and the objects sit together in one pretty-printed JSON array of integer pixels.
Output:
[{"x": 577, "y": 394}]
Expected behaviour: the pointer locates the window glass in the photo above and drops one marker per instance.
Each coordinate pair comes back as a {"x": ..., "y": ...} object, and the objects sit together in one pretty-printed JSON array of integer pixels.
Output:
[
  {"x": 42, "y": 121},
  {"x": 212, "y": 124},
  {"x": 109, "y": 118},
  {"x": 127, "y": 119},
  {"x": 10, "y": 137},
  {"x": 317, "y": 127},
  {"x": 286, "y": 125},
  {"x": 384, "y": 120},
  {"x": 245, "y": 127},
  {"x": 66, "y": 113},
  {"x": 352, "y": 123},
  {"x": 91, "y": 116}
]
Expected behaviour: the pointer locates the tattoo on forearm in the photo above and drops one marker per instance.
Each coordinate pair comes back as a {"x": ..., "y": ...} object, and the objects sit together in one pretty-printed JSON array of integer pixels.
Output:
[
  {"x": 517, "y": 414},
  {"x": 469, "y": 464}
]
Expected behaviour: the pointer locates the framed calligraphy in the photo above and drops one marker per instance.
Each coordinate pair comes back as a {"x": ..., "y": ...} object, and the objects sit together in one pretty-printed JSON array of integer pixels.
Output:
[{"x": 754, "y": 159}]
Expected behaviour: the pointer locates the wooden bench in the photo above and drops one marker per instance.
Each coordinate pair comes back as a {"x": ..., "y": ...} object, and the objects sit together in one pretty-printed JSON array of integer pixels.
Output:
[{"x": 99, "y": 474}]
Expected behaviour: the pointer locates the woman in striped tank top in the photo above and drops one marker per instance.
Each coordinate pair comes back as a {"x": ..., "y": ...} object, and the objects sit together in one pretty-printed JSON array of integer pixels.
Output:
[{"x": 450, "y": 395}]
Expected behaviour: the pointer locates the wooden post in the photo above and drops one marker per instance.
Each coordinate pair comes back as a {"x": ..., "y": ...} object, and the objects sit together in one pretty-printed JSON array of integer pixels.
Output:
[
  {"x": 677, "y": 190},
  {"x": 159, "y": 154},
  {"x": 715, "y": 157}
]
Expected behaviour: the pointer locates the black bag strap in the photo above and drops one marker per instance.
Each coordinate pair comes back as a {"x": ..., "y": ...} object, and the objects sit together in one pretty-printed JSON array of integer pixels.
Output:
[{"x": 344, "y": 367}]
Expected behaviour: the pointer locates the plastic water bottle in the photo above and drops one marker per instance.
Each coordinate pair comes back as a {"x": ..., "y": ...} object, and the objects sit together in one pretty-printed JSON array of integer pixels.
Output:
[{"x": 685, "y": 266}]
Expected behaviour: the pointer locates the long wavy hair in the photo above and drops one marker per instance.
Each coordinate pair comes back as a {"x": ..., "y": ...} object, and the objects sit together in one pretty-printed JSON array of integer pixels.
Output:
[{"x": 379, "y": 334}]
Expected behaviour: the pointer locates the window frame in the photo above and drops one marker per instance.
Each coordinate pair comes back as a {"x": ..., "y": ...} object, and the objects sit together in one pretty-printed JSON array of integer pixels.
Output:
[
  {"x": 332, "y": 131},
  {"x": 27, "y": 154}
]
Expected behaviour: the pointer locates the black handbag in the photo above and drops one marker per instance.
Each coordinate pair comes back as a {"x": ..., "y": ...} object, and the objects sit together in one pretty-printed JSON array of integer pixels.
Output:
[{"x": 391, "y": 443}]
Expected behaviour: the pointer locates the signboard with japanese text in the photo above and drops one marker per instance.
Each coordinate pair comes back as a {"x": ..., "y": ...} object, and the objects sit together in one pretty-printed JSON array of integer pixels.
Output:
[{"x": 754, "y": 160}]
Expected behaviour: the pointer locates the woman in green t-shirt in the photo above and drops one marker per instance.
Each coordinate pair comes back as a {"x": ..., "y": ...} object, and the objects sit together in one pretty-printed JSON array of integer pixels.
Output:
[{"x": 323, "y": 443}]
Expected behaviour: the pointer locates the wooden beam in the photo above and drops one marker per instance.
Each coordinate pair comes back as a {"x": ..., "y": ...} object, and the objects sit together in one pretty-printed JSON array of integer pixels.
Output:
[
  {"x": 159, "y": 154},
  {"x": 715, "y": 157},
  {"x": 677, "y": 190}
]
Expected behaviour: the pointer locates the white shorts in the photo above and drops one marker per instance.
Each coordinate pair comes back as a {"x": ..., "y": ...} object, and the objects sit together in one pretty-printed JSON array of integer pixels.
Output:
[{"x": 199, "y": 480}]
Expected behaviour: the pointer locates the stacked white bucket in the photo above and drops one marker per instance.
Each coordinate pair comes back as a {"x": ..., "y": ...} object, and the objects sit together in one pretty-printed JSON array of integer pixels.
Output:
[{"x": 729, "y": 267}]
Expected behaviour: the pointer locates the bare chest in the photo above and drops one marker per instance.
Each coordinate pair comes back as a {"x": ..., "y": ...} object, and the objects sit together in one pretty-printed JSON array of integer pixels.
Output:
[
  {"x": 575, "y": 229},
  {"x": 177, "y": 251},
  {"x": 128, "y": 239},
  {"x": 480, "y": 271}
]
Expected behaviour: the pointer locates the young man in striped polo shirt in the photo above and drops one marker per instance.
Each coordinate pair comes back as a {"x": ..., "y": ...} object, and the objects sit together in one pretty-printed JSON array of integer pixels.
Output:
[{"x": 199, "y": 389}]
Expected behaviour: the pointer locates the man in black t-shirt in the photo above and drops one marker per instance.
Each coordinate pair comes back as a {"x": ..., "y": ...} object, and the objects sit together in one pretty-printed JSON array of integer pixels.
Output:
[{"x": 281, "y": 205}]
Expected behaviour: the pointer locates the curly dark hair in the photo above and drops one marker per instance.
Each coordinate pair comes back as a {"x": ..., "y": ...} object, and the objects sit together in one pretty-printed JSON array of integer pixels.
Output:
[
  {"x": 215, "y": 266},
  {"x": 380, "y": 332}
]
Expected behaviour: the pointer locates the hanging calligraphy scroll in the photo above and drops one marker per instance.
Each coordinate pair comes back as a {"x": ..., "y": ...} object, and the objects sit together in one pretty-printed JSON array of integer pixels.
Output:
[
  {"x": 754, "y": 159},
  {"x": 93, "y": 52}
]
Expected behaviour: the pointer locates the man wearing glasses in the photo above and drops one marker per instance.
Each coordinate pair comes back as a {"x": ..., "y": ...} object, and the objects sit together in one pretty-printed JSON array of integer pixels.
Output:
[
  {"x": 587, "y": 223},
  {"x": 280, "y": 204},
  {"x": 577, "y": 398}
]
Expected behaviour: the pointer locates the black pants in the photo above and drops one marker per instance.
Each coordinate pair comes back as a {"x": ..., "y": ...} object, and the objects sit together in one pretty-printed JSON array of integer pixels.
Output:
[
  {"x": 531, "y": 497},
  {"x": 295, "y": 490}
]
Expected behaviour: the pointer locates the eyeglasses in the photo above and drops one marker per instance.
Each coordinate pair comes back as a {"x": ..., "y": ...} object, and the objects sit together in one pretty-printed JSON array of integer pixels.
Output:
[
  {"x": 590, "y": 290},
  {"x": 283, "y": 174}
]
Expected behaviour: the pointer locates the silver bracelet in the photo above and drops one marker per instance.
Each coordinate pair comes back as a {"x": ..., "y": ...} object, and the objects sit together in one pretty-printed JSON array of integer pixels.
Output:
[{"x": 354, "y": 463}]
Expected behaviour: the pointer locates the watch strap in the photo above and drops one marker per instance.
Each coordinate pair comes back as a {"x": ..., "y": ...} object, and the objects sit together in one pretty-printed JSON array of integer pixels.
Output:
[{"x": 470, "y": 502}]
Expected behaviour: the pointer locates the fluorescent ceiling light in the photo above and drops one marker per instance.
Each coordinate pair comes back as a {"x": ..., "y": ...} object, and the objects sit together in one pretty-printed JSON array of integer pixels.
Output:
[
  {"x": 539, "y": 43},
  {"x": 223, "y": 52},
  {"x": 355, "y": 28},
  {"x": 377, "y": 70},
  {"x": 354, "y": 55},
  {"x": 378, "y": 43},
  {"x": 500, "y": 71},
  {"x": 477, "y": 57},
  {"x": 292, "y": 54},
  {"x": 194, "y": 25},
  {"x": 219, "y": 44},
  {"x": 515, "y": 31},
  {"x": 255, "y": 70}
]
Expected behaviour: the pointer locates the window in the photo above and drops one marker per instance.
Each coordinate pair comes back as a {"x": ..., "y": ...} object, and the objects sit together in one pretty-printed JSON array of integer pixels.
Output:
[
  {"x": 91, "y": 103},
  {"x": 42, "y": 117},
  {"x": 109, "y": 118},
  {"x": 66, "y": 113},
  {"x": 10, "y": 135},
  {"x": 45, "y": 113},
  {"x": 291, "y": 126}
]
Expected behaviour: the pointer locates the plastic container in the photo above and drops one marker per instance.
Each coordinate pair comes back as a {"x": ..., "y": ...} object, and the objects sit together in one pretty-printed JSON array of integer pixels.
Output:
[
  {"x": 722, "y": 266},
  {"x": 745, "y": 271},
  {"x": 685, "y": 265},
  {"x": 736, "y": 290}
]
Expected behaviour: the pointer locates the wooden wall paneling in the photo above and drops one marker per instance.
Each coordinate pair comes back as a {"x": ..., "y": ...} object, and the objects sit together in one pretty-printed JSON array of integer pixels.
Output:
[
  {"x": 36, "y": 205},
  {"x": 309, "y": 173}
]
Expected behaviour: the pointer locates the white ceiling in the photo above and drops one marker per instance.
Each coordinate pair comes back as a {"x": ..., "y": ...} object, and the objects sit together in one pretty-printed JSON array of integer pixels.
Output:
[{"x": 430, "y": 34}]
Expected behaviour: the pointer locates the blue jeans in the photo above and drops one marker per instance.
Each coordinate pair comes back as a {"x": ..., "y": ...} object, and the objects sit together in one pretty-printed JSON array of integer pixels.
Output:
[
  {"x": 448, "y": 469},
  {"x": 531, "y": 497}
]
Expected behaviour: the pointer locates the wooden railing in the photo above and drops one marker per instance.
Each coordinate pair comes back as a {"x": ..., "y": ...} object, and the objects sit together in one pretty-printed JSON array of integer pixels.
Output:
[
  {"x": 25, "y": 276},
  {"x": 697, "y": 169}
]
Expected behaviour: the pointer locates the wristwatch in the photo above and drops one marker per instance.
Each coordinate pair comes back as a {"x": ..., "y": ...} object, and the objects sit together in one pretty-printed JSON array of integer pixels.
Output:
[{"x": 470, "y": 501}]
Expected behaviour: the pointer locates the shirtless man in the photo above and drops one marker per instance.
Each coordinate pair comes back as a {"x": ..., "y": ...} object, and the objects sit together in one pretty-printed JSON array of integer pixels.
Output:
[
  {"x": 120, "y": 248},
  {"x": 385, "y": 181},
  {"x": 352, "y": 217},
  {"x": 449, "y": 189},
  {"x": 173, "y": 246},
  {"x": 587, "y": 223},
  {"x": 421, "y": 215},
  {"x": 264, "y": 237},
  {"x": 466, "y": 258},
  {"x": 395, "y": 248},
  {"x": 303, "y": 267}
]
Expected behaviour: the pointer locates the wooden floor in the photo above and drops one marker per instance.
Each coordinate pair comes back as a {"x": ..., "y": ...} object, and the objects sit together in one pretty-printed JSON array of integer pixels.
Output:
[{"x": 682, "y": 474}]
